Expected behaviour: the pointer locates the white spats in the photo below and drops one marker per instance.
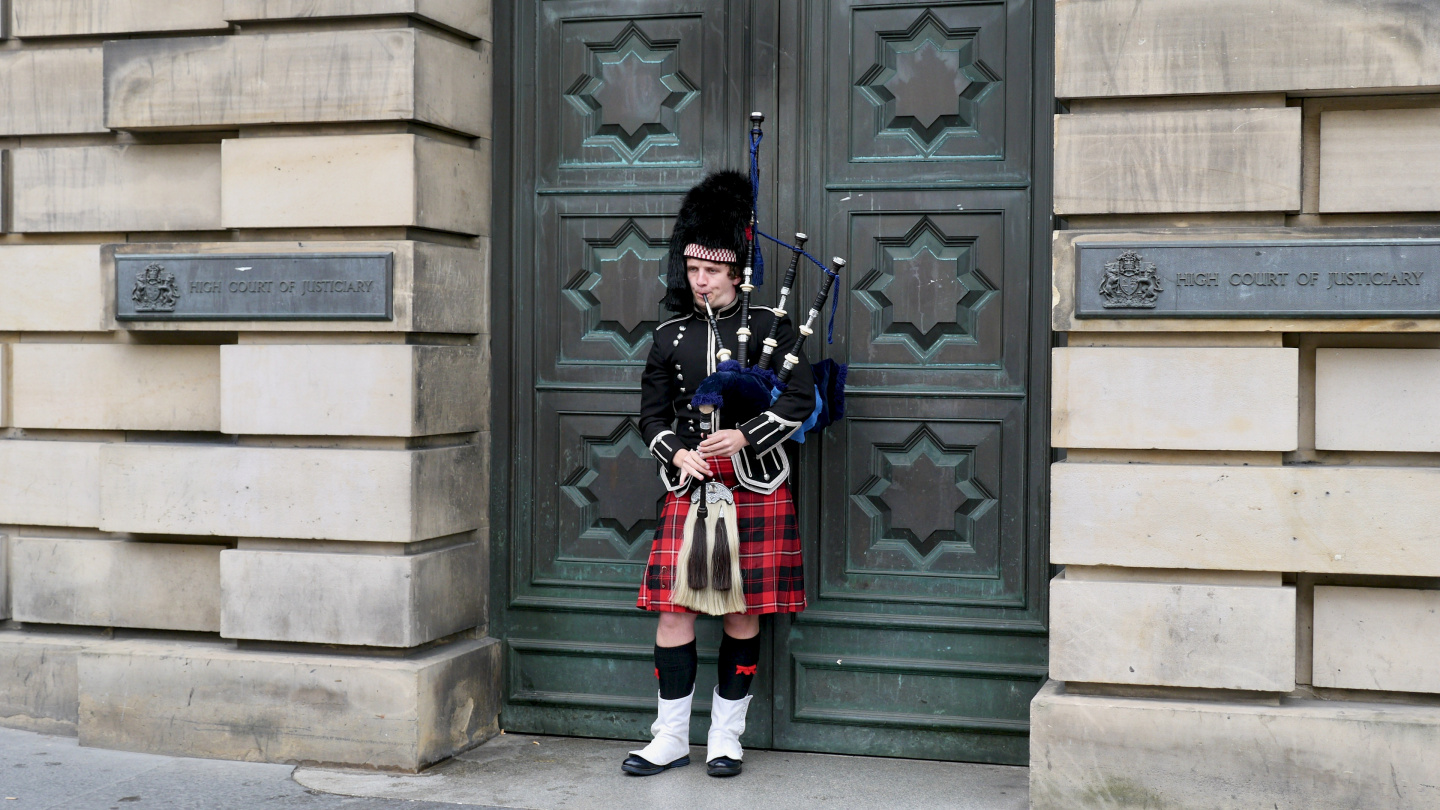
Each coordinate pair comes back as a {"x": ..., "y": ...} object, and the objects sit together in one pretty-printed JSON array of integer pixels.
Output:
[
  {"x": 727, "y": 723},
  {"x": 672, "y": 732}
]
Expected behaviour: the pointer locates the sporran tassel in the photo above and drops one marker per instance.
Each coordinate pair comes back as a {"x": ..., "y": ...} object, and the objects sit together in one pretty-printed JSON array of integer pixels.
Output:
[
  {"x": 697, "y": 570},
  {"x": 696, "y": 587},
  {"x": 720, "y": 559}
]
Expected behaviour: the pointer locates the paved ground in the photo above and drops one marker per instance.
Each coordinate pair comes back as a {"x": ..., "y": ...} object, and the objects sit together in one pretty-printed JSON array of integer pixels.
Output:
[
  {"x": 37, "y": 772},
  {"x": 511, "y": 771},
  {"x": 562, "y": 773}
]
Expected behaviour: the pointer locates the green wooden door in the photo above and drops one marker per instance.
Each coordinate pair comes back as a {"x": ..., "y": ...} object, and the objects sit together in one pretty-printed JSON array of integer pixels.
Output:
[{"x": 903, "y": 136}]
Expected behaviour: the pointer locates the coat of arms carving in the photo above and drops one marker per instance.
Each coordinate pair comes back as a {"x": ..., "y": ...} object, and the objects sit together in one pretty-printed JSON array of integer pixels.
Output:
[
  {"x": 1130, "y": 283},
  {"x": 155, "y": 290}
]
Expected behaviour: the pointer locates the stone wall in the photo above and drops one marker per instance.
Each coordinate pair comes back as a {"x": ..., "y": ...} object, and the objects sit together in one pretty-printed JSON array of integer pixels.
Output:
[
  {"x": 259, "y": 540},
  {"x": 1245, "y": 508}
]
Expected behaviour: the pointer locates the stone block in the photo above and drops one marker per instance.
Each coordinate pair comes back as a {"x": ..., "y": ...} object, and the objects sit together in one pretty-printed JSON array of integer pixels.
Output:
[
  {"x": 38, "y": 682},
  {"x": 1171, "y": 576},
  {"x": 1351, "y": 385},
  {"x": 1377, "y": 638},
  {"x": 467, "y": 17},
  {"x": 374, "y": 600},
  {"x": 115, "y": 386},
  {"x": 52, "y": 91},
  {"x": 450, "y": 288},
  {"x": 4, "y": 577},
  {"x": 210, "y": 700},
  {"x": 453, "y": 186},
  {"x": 456, "y": 84},
  {"x": 395, "y": 496},
  {"x": 49, "y": 483},
  {"x": 1111, "y": 752},
  {"x": 453, "y": 389},
  {"x": 116, "y": 188},
  {"x": 1173, "y": 634},
  {"x": 1176, "y": 399},
  {"x": 355, "y": 181},
  {"x": 1178, "y": 161},
  {"x": 438, "y": 288},
  {"x": 1379, "y": 160},
  {"x": 117, "y": 583},
  {"x": 316, "y": 77},
  {"x": 1176, "y": 47},
  {"x": 77, "y": 18},
  {"x": 354, "y": 390},
  {"x": 1327, "y": 520},
  {"x": 69, "y": 298}
]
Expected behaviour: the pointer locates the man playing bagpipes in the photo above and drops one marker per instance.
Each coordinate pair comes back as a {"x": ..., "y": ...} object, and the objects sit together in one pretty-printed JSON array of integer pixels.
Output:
[{"x": 727, "y": 543}]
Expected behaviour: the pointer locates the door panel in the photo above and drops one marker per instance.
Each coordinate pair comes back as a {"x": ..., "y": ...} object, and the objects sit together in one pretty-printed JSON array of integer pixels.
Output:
[
  {"x": 937, "y": 283},
  {"x": 921, "y": 512},
  {"x": 929, "y": 92},
  {"x": 627, "y": 87},
  {"x": 594, "y": 529},
  {"x": 899, "y": 135},
  {"x": 599, "y": 276},
  {"x": 963, "y": 696}
]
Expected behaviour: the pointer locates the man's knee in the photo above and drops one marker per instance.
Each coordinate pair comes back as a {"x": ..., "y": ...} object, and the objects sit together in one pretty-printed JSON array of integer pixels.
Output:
[
  {"x": 676, "y": 620},
  {"x": 740, "y": 625}
]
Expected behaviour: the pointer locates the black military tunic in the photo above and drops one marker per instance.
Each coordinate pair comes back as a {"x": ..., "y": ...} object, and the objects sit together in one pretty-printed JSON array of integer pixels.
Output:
[{"x": 684, "y": 354}]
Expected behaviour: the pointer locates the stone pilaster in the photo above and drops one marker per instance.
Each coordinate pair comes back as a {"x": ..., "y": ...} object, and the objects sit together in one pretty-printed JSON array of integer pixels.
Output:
[{"x": 288, "y": 519}]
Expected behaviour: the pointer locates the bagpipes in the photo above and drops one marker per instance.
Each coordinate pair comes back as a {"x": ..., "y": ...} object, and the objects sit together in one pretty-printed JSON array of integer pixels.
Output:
[{"x": 753, "y": 388}]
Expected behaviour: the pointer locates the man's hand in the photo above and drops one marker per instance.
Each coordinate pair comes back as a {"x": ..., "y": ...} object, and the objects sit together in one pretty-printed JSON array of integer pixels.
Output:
[
  {"x": 691, "y": 464},
  {"x": 723, "y": 443}
]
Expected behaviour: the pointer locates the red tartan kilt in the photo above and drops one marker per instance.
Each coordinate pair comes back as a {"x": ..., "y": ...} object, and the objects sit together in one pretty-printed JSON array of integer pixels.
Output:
[{"x": 770, "y": 561}]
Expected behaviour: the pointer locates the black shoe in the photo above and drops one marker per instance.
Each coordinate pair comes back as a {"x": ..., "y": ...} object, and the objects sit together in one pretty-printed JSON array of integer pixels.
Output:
[
  {"x": 723, "y": 766},
  {"x": 639, "y": 766}
]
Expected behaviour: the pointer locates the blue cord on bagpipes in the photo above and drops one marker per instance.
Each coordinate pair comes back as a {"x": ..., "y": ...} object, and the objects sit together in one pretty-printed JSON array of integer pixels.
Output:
[{"x": 758, "y": 258}]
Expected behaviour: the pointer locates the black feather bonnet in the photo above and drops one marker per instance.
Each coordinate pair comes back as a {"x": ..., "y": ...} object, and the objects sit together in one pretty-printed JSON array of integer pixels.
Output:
[{"x": 714, "y": 217}]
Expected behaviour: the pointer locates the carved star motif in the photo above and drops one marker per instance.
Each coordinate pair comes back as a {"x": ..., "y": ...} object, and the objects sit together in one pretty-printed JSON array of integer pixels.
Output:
[
  {"x": 924, "y": 496},
  {"x": 928, "y": 83},
  {"x": 617, "y": 489},
  {"x": 619, "y": 286},
  {"x": 631, "y": 93},
  {"x": 926, "y": 289}
]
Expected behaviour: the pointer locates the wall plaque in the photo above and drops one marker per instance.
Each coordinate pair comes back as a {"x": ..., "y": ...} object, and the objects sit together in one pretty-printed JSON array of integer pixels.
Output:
[
  {"x": 266, "y": 286},
  {"x": 1315, "y": 278}
]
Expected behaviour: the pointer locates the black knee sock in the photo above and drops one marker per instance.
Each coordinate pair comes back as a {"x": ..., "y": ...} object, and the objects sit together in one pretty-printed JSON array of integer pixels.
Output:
[
  {"x": 739, "y": 658},
  {"x": 675, "y": 668}
]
